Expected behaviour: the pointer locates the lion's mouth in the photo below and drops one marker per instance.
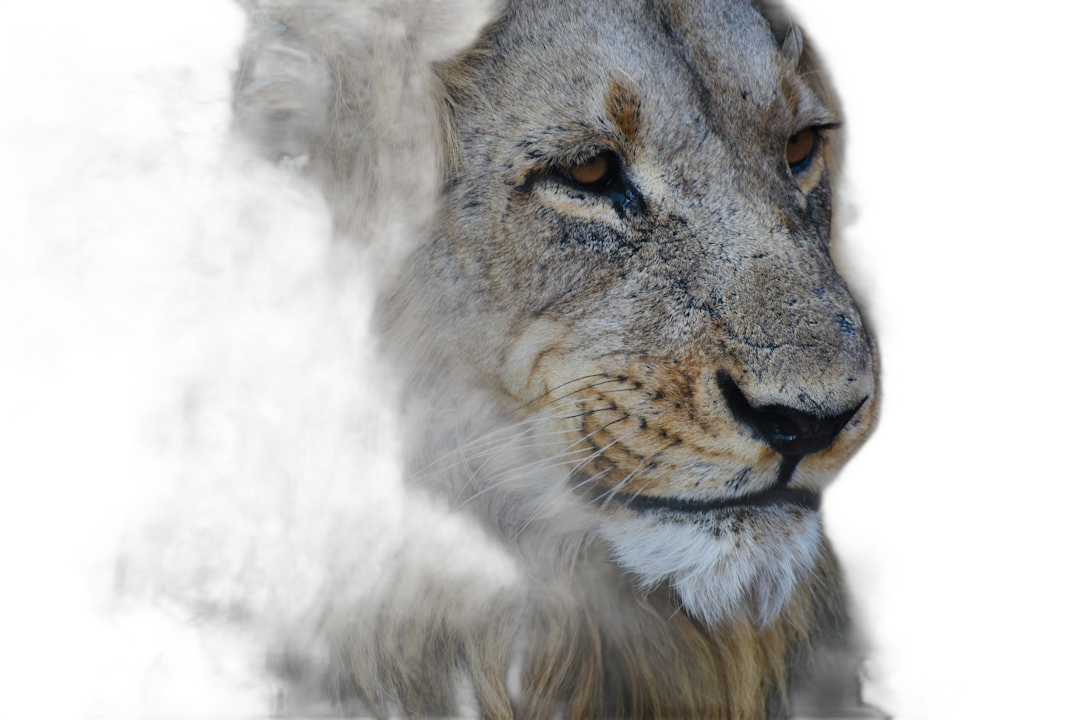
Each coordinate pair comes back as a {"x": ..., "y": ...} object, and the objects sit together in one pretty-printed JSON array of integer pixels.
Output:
[{"x": 804, "y": 499}]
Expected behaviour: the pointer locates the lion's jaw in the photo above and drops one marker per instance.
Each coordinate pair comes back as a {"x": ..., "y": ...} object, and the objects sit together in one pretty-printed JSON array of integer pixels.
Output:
[
  {"x": 722, "y": 565},
  {"x": 664, "y": 339}
]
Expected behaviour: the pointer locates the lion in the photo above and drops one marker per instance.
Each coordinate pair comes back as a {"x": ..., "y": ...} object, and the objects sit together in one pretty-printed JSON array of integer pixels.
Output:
[{"x": 624, "y": 351}]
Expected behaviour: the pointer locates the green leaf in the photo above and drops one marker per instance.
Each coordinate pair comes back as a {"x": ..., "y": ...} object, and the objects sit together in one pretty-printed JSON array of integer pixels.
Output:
[
  {"x": 283, "y": 49},
  {"x": 260, "y": 83},
  {"x": 297, "y": 197}
]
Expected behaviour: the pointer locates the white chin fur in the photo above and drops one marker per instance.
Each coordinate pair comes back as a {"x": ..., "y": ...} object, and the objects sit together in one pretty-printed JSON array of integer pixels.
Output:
[{"x": 721, "y": 567}]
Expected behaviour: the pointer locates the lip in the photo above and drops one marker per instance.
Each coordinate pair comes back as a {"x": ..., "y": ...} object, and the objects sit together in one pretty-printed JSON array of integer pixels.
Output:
[{"x": 810, "y": 500}]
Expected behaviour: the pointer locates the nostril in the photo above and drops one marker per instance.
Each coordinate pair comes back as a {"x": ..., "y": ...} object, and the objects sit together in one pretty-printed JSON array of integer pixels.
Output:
[
  {"x": 788, "y": 431},
  {"x": 777, "y": 426}
]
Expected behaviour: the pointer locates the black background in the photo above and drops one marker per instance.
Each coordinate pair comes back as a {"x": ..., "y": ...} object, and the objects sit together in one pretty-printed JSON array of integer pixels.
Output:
[{"x": 917, "y": 518}]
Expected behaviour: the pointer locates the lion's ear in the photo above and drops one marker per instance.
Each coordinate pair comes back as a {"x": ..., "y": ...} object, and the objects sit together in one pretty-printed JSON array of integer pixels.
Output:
[
  {"x": 380, "y": 81},
  {"x": 374, "y": 67},
  {"x": 793, "y": 45}
]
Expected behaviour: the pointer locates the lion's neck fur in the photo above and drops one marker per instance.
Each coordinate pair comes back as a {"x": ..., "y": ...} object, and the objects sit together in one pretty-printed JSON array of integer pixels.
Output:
[
  {"x": 454, "y": 628},
  {"x": 420, "y": 614}
]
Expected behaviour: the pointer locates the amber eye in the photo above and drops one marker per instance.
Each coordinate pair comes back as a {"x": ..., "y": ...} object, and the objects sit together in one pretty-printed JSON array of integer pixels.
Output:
[
  {"x": 591, "y": 171},
  {"x": 800, "y": 149}
]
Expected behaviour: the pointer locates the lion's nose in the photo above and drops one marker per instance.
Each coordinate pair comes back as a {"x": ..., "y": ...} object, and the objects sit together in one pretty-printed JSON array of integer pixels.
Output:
[{"x": 788, "y": 431}]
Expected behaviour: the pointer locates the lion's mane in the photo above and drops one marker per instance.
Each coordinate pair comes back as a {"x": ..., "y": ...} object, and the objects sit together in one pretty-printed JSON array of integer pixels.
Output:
[{"x": 284, "y": 508}]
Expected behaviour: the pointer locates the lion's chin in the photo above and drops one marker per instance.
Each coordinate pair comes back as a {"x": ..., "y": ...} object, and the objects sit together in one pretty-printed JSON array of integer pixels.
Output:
[{"x": 723, "y": 565}]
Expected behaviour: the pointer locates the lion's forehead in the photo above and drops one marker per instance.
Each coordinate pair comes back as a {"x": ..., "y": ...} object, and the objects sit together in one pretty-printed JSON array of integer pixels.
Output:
[
  {"x": 728, "y": 39},
  {"x": 685, "y": 58}
]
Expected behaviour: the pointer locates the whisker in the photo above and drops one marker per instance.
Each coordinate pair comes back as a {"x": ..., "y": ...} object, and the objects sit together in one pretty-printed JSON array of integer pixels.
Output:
[
  {"x": 597, "y": 453},
  {"x": 589, "y": 387},
  {"x": 496, "y": 437},
  {"x": 480, "y": 451},
  {"x": 562, "y": 385},
  {"x": 574, "y": 470},
  {"x": 551, "y": 461},
  {"x": 609, "y": 495},
  {"x": 499, "y": 437},
  {"x": 653, "y": 456},
  {"x": 492, "y": 442},
  {"x": 520, "y": 470}
]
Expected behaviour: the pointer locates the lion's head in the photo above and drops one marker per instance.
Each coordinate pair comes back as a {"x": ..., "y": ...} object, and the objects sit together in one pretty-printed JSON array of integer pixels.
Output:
[{"x": 626, "y": 349}]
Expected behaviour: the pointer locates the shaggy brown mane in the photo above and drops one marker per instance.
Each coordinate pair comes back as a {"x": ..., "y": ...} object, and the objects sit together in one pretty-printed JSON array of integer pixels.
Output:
[{"x": 284, "y": 508}]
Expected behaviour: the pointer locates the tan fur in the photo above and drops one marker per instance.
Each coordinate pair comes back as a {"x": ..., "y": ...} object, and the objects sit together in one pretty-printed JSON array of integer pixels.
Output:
[{"x": 568, "y": 353}]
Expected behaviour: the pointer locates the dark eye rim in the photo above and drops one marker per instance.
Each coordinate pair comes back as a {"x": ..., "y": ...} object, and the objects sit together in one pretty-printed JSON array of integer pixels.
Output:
[
  {"x": 612, "y": 180},
  {"x": 614, "y": 186},
  {"x": 817, "y": 133},
  {"x": 802, "y": 165}
]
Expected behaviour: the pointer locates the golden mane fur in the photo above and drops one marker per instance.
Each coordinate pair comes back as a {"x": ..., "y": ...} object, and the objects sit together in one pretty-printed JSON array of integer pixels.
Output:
[{"x": 285, "y": 508}]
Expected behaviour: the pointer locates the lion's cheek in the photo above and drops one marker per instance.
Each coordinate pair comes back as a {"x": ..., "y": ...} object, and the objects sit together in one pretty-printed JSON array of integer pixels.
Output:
[{"x": 533, "y": 345}]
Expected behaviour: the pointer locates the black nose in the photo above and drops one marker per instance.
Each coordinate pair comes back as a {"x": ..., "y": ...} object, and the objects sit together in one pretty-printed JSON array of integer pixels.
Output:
[{"x": 788, "y": 431}]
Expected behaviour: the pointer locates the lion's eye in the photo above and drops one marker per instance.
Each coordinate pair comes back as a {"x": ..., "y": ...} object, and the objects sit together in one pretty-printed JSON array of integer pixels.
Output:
[
  {"x": 601, "y": 176},
  {"x": 592, "y": 171},
  {"x": 800, "y": 149}
]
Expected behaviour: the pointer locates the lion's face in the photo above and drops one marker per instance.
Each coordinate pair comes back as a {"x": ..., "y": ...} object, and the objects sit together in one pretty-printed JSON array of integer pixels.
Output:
[{"x": 634, "y": 249}]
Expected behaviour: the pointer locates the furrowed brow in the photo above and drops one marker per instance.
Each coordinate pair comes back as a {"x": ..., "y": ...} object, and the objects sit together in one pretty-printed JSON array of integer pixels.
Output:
[{"x": 623, "y": 106}]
